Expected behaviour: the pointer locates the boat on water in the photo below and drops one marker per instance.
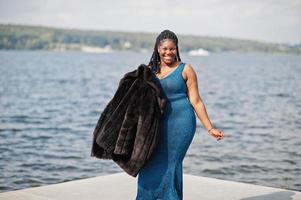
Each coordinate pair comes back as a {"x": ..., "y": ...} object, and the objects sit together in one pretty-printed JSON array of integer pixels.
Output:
[{"x": 199, "y": 52}]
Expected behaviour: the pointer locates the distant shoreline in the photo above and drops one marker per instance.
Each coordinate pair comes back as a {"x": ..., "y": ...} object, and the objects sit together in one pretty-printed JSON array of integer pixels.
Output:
[{"x": 21, "y": 37}]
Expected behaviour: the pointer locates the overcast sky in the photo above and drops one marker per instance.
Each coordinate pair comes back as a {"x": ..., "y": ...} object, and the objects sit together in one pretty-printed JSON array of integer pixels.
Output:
[{"x": 263, "y": 20}]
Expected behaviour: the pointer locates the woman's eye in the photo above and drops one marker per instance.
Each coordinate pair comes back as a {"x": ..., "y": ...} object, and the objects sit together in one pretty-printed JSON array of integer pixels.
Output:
[{"x": 165, "y": 49}]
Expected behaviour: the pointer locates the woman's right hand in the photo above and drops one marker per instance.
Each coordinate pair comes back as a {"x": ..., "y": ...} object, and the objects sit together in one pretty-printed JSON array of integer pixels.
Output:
[{"x": 217, "y": 133}]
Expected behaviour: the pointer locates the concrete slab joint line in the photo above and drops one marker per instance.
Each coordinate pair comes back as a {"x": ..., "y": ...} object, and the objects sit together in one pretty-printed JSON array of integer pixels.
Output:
[{"x": 105, "y": 187}]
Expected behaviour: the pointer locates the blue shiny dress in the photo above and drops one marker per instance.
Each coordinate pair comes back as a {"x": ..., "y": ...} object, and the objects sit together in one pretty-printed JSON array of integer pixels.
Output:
[{"x": 162, "y": 176}]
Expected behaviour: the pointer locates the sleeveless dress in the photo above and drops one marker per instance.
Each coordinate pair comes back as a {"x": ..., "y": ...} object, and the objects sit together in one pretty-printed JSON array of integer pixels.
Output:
[{"x": 161, "y": 178}]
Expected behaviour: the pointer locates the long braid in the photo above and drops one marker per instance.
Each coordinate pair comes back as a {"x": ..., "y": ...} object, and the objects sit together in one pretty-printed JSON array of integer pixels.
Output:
[{"x": 155, "y": 59}]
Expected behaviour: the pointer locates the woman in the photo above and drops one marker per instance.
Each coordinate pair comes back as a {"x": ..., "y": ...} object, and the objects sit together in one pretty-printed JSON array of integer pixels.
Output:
[{"x": 162, "y": 176}]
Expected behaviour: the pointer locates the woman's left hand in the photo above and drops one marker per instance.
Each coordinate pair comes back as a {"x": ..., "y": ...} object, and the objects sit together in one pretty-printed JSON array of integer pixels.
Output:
[{"x": 217, "y": 133}]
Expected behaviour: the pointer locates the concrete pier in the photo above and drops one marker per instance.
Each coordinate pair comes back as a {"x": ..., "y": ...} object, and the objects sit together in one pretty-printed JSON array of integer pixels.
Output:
[{"x": 121, "y": 186}]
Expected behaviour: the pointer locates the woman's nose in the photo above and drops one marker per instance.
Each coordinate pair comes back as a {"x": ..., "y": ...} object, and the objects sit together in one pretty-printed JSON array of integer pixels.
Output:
[{"x": 169, "y": 52}]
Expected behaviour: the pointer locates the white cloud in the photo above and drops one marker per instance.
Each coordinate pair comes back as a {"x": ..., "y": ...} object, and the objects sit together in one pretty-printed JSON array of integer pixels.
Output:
[{"x": 267, "y": 20}]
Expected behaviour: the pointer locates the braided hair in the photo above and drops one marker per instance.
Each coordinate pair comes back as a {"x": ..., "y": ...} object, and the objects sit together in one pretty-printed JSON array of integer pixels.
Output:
[{"x": 155, "y": 59}]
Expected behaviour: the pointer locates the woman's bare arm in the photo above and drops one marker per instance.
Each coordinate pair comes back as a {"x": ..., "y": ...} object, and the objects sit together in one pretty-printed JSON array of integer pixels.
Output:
[{"x": 196, "y": 101}]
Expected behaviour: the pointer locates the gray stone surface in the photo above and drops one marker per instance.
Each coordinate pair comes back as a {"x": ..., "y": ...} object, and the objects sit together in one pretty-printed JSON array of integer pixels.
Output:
[{"x": 121, "y": 186}]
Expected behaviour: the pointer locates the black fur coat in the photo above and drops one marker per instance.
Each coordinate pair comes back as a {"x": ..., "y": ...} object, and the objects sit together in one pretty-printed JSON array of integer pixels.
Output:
[{"x": 128, "y": 128}]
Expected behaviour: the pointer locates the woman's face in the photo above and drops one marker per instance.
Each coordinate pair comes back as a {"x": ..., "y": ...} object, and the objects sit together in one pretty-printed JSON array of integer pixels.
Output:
[{"x": 167, "y": 51}]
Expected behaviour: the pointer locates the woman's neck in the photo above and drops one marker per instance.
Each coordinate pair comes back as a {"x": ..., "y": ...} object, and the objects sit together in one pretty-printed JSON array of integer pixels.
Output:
[{"x": 162, "y": 65}]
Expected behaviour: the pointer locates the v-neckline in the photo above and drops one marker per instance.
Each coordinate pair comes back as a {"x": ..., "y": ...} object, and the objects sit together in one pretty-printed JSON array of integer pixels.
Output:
[{"x": 170, "y": 73}]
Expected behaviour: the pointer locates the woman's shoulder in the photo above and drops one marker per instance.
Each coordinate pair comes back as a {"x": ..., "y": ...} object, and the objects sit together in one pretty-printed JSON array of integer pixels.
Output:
[
  {"x": 186, "y": 64},
  {"x": 187, "y": 67},
  {"x": 188, "y": 71}
]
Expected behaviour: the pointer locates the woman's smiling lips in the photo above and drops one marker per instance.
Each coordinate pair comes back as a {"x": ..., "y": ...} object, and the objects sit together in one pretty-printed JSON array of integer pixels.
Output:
[{"x": 168, "y": 57}]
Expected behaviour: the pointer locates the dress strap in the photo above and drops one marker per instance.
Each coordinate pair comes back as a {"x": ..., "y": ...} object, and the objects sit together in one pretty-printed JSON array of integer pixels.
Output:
[{"x": 182, "y": 66}]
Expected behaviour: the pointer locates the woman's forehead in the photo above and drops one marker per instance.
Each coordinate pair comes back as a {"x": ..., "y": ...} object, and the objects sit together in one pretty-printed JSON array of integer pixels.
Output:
[{"x": 166, "y": 42}]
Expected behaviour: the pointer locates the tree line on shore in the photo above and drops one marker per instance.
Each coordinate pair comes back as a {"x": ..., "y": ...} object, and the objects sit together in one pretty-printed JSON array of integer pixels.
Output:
[{"x": 25, "y": 37}]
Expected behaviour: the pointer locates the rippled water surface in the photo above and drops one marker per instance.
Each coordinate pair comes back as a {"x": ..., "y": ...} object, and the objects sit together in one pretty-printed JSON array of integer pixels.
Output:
[{"x": 51, "y": 101}]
